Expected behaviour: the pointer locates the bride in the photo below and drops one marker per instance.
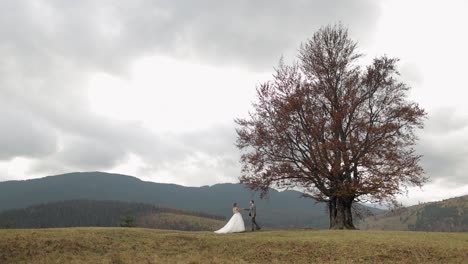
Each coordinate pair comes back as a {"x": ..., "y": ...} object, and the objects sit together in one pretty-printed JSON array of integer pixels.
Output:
[{"x": 235, "y": 224}]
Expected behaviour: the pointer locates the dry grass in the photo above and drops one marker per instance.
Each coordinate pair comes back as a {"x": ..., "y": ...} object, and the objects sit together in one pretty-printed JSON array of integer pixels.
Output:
[
  {"x": 179, "y": 222},
  {"x": 137, "y": 245}
]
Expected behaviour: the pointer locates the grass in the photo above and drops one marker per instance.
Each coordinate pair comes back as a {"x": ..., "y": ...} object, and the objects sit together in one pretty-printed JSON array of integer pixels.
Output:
[
  {"x": 179, "y": 222},
  {"x": 138, "y": 245}
]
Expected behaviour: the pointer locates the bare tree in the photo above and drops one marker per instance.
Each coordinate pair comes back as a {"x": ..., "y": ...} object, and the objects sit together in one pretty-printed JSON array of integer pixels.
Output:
[{"x": 340, "y": 132}]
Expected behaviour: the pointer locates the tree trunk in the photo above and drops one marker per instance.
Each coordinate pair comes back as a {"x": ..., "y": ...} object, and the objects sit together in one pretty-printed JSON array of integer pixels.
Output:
[{"x": 339, "y": 209}]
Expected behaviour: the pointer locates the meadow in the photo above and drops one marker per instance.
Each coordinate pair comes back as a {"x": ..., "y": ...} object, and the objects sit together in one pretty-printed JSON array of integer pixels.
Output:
[{"x": 139, "y": 245}]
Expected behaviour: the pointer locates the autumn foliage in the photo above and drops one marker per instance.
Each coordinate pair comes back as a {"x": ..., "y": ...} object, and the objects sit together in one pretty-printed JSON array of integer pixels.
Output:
[{"x": 341, "y": 132}]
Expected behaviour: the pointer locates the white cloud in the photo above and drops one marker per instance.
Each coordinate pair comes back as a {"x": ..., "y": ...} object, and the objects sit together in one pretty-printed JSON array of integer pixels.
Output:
[
  {"x": 171, "y": 95},
  {"x": 432, "y": 192}
]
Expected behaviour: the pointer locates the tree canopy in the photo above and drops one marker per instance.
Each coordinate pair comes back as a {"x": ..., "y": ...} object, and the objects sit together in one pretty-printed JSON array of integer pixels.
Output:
[{"x": 341, "y": 132}]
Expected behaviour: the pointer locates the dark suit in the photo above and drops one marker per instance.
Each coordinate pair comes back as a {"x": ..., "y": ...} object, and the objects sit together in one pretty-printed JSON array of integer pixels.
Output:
[{"x": 253, "y": 214}]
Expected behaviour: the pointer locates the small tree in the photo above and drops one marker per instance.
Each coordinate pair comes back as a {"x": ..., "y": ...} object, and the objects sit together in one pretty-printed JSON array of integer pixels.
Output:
[
  {"x": 127, "y": 221},
  {"x": 342, "y": 133}
]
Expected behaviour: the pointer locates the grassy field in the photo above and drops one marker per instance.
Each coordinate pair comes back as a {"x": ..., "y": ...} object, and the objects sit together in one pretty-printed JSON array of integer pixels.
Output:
[{"x": 137, "y": 245}]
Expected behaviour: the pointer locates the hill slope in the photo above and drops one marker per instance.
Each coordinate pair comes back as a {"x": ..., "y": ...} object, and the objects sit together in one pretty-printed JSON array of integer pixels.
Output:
[
  {"x": 281, "y": 209},
  {"x": 74, "y": 213},
  {"x": 135, "y": 245},
  {"x": 449, "y": 215}
]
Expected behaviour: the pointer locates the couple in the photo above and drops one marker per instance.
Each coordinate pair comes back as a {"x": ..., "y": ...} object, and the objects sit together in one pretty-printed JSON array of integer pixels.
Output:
[{"x": 236, "y": 223}]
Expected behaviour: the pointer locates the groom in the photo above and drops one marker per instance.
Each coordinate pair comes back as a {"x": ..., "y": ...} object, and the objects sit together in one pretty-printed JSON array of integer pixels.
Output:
[{"x": 253, "y": 214}]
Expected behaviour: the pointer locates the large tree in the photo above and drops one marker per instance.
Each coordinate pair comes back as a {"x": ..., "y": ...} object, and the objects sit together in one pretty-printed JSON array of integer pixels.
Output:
[{"x": 341, "y": 132}]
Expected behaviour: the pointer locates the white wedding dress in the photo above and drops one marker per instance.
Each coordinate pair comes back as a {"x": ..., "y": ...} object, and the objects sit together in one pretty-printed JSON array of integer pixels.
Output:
[{"x": 234, "y": 225}]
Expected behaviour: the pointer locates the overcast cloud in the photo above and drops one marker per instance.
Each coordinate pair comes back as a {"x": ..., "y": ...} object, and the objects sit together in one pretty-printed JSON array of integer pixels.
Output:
[{"x": 151, "y": 88}]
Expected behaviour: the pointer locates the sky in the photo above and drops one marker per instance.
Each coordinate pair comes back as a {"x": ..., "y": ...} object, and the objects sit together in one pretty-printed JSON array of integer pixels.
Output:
[{"x": 151, "y": 88}]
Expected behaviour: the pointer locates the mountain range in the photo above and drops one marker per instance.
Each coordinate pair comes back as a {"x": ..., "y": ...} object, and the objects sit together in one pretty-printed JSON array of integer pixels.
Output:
[
  {"x": 286, "y": 209},
  {"x": 279, "y": 210},
  {"x": 75, "y": 213}
]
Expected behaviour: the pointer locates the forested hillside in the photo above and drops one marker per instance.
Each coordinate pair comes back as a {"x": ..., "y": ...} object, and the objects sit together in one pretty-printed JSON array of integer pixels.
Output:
[
  {"x": 76, "y": 213},
  {"x": 280, "y": 209},
  {"x": 449, "y": 215}
]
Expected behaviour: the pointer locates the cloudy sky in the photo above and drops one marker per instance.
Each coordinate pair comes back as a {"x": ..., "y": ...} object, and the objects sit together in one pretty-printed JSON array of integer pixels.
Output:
[{"x": 151, "y": 88}]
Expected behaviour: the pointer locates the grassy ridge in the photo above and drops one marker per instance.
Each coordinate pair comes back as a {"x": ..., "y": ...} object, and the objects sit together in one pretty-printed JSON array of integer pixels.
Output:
[
  {"x": 449, "y": 215},
  {"x": 179, "y": 222},
  {"x": 136, "y": 245}
]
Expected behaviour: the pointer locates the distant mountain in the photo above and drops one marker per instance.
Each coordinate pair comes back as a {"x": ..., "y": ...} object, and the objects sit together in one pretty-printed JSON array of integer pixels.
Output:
[
  {"x": 449, "y": 215},
  {"x": 281, "y": 209},
  {"x": 74, "y": 213}
]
